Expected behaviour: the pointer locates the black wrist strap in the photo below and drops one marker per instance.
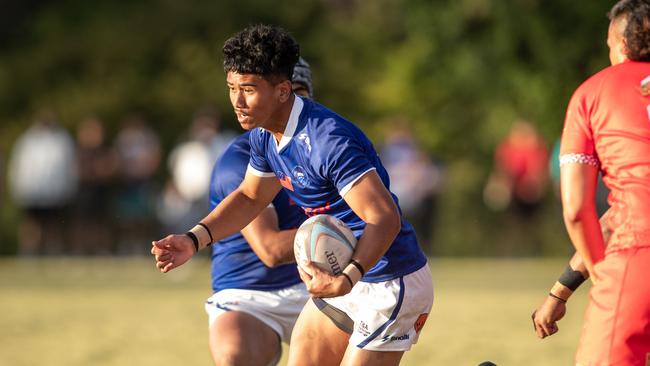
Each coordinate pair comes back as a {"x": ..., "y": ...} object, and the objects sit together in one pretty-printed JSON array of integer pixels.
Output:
[
  {"x": 556, "y": 297},
  {"x": 208, "y": 230},
  {"x": 571, "y": 279},
  {"x": 195, "y": 240},
  {"x": 356, "y": 264}
]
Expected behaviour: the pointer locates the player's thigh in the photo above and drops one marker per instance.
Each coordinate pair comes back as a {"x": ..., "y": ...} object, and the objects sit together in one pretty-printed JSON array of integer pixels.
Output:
[
  {"x": 316, "y": 340},
  {"x": 636, "y": 304},
  {"x": 355, "y": 356},
  {"x": 234, "y": 334},
  {"x": 617, "y": 320}
]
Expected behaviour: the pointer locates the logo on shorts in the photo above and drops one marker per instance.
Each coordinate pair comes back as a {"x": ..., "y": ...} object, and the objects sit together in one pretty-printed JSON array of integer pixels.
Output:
[
  {"x": 388, "y": 338},
  {"x": 419, "y": 323},
  {"x": 226, "y": 305},
  {"x": 363, "y": 328}
]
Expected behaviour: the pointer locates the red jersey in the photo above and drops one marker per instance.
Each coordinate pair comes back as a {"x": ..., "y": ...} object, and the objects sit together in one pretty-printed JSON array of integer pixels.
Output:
[{"x": 608, "y": 125}]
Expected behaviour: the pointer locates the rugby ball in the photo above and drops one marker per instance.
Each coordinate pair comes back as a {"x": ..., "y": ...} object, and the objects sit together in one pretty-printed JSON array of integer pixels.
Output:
[{"x": 325, "y": 241}]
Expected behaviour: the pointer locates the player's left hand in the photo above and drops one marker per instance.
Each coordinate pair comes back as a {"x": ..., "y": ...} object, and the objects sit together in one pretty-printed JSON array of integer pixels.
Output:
[{"x": 322, "y": 284}]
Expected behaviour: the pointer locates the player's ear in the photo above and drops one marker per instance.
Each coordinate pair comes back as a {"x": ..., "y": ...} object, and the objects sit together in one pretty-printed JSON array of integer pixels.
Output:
[
  {"x": 623, "y": 47},
  {"x": 285, "y": 90}
]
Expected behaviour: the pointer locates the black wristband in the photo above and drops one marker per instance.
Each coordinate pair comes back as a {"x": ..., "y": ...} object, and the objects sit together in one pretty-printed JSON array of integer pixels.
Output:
[
  {"x": 208, "y": 230},
  {"x": 195, "y": 240},
  {"x": 349, "y": 279},
  {"x": 556, "y": 297},
  {"x": 571, "y": 279},
  {"x": 356, "y": 264}
]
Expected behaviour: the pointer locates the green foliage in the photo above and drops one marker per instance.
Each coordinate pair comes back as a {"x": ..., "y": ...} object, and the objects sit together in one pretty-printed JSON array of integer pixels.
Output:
[{"x": 460, "y": 71}]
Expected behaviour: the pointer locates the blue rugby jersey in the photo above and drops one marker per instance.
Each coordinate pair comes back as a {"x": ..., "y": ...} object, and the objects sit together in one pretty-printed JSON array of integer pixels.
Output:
[
  {"x": 319, "y": 157},
  {"x": 234, "y": 264}
]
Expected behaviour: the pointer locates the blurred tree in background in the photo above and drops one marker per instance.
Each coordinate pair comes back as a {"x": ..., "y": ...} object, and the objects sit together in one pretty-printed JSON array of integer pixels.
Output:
[{"x": 460, "y": 71}]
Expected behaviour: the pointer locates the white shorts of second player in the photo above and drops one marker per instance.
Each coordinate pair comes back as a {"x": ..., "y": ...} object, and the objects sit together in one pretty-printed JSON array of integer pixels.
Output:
[
  {"x": 278, "y": 309},
  {"x": 388, "y": 316}
]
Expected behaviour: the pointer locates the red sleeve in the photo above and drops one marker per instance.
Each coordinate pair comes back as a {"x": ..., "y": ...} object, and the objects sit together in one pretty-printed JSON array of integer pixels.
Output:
[{"x": 577, "y": 137}]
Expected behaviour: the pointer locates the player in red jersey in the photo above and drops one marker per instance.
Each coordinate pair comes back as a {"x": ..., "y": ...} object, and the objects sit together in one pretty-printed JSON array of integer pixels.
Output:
[{"x": 607, "y": 128}]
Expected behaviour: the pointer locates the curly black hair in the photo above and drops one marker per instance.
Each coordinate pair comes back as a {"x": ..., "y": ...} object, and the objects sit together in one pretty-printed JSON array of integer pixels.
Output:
[
  {"x": 637, "y": 30},
  {"x": 264, "y": 50}
]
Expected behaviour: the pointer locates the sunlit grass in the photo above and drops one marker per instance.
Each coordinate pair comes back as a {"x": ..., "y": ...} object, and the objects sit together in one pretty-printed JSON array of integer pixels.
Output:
[{"x": 122, "y": 312}]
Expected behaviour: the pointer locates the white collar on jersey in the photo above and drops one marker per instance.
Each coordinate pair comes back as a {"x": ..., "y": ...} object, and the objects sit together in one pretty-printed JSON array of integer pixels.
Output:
[{"x": 292, "y": 123}]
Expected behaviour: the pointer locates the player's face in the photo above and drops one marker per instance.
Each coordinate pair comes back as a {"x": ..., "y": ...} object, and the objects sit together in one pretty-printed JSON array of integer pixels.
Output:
[
  {"x": 616, "y": 41},
  {"x": 256, "y": 100}
]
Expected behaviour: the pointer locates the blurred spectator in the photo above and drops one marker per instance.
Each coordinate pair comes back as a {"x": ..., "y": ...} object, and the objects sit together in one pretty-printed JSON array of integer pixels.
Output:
[
  {"x": 206, "y": 128},
  {"x": 520, "y": 175},
  {"x": 42, "y": 181},
  {"x": 138, "y": 156},
  {"x": 92, "y": 232},
  {"x": 184, "y": 199},
  {"x": 414, "y": 179},
  {"x": 518, "y": 185}
]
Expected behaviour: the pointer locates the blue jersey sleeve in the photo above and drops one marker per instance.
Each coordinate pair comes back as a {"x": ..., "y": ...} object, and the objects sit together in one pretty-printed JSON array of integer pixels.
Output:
[
  {"x": 347, "y": 158},
  {"x": 258, "y": 163}
]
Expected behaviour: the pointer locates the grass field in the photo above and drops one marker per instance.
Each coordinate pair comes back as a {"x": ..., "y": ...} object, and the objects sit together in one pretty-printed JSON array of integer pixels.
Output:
[{"x": 123, "y": 312}]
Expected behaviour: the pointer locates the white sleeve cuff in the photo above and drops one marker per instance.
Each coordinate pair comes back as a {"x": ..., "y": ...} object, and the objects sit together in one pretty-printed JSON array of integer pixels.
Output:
[
  {"x": 258, "y": 173},
  {"x": 579, "y": 159},
  {"x": 349, "y": 186}
]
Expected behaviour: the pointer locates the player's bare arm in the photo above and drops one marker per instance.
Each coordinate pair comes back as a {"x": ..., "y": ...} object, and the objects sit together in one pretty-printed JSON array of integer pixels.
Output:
[
  {"x": 553, "y": 309},
  {"x": 272, "y": 245},
  {"x": 578, "y": 185},
  {"x": 229, "y": 217},
  {"x": 372, "y": 202}
]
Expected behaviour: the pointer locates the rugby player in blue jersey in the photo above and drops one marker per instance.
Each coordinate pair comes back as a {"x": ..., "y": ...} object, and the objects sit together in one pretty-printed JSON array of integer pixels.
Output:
[
  {"x": 257, "y": 295},
  {"x": 373, "y": 312}
]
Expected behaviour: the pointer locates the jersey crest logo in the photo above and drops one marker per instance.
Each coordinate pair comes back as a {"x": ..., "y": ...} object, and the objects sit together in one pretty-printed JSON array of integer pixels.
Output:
[
  {"x": 285, "y": 181},
  {"x": 301, "y": 178},
  {"x": 645, "y": 86},
  {"x": 304, "y": 138}
]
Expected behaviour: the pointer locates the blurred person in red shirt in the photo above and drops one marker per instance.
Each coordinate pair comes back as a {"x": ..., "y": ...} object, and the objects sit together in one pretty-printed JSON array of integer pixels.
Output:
[
  {"x": 518, "y": 185},
  {"x": 520, "y": 174}
]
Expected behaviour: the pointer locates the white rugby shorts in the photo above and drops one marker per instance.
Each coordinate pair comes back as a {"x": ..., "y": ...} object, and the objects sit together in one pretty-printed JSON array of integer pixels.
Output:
[
  {"x": 388, "y": 316},
  {"x": 278, "y": 309}
]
